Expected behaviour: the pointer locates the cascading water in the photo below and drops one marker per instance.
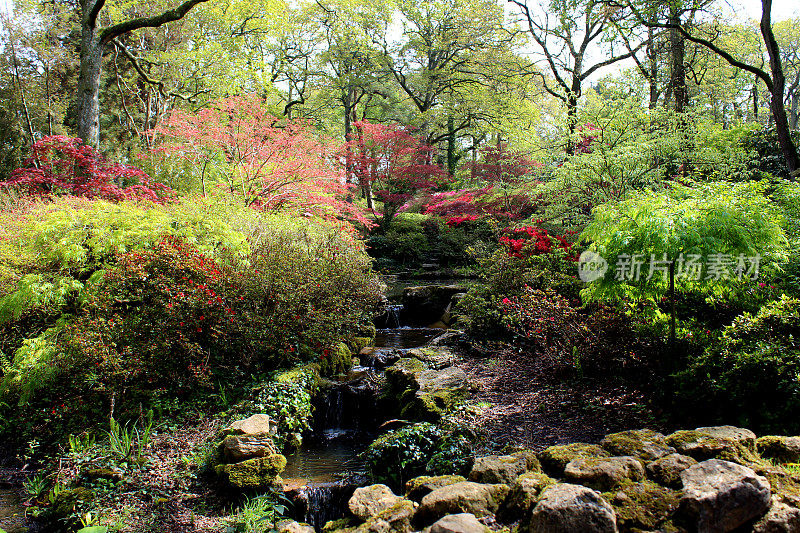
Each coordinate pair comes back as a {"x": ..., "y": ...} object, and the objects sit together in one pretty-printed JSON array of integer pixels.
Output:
[
  {"x": 320, "y": 503},
  {"x": 321, "y": 476}
]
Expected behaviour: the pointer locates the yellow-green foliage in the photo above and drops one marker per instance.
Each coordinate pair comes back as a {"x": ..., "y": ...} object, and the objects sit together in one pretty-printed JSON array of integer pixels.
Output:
[
  {"x": 33, "y": 365},
  {"x": 37, "y": 290},
  {"x": 71, "y": 233}
]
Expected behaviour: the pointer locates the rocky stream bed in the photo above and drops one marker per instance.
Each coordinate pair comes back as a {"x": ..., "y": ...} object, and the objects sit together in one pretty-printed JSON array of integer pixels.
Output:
[{"x": 716, "y": 479}]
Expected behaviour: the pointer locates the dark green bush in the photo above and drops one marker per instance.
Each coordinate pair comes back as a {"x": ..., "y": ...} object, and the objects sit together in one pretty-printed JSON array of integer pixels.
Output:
[
  {"x": 508, "y": 276},
  {"x": 752, "y": 376},
  {"x": 415, "y": 239},
  {"x": 766, "y": 149},
  {"x": 418, "y": 449}
]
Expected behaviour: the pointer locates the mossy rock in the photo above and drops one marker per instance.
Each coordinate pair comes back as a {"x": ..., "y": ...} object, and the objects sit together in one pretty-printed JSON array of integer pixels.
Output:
[
  {"x": 702, "y": 446},
  {"x": 367, "y": 330},
  {"x": 107, "y": 474},
  {"x": 338, "y": 361},
  {"x": 343, "y": 524},
  {"x": 294, "y": 374},
  {"x": 646, "y": 444},
  {"x": 667, "y": 470},
  {"x": 356, "y": 344},
  {"x": 785, "y": 485},
  {"x": 400, "y": 376},
  {"x": 68, "y": 502},
  {"x": 555, "y": 458},
  {"x": 259, "y": 473},
  {"x": 643, "y": 506},
  {"x": 780, "y": 449},
  {"x": 396, "y": 518},
  {"x": 436, "y": 358},
  {"x": 419, "y": 487},
  {"x": 604, "y": 473},
  {"x": 503, "y": 468},
  {"x": 524, "y": 494},
  {"x": 431, "y": 406}
]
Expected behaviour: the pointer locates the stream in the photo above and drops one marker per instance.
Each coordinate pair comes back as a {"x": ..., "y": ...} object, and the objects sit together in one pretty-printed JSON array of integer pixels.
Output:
[
  {"x": 12, "y": 514},
  {"x": 321, "y": 476}
]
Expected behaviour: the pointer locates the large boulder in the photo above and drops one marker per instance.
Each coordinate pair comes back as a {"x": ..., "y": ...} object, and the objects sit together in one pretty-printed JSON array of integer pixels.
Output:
[
  {"x": 436, "y": 358},
  {"x": 292, "y": 526},
  {"x": 258, "y": 424},
  {"x": 503, "y": 468},
  {"x": 433, "y": 393},
  {"x": 646, "y": 444},
  {"x": 419, "y": 487},
  {"x": 781, "y": 518},
  {"x": 524, "y": 494},
  {"x": 702, "y": 445},
  {"x": 462, "y": 497},
  {"x": 370, "y": 501},
  {"x": 720, "y": 496},
  {"x": 258, "y": 473},
  {"x": 445, "y": 378},
  {"x": 604, "y": 473},
  {"x": 643, "y": 506},
  {"x": 237, "y": 448},
  {"x": 401, "y": 376},
  {"x": 667, "y": 470},
  {"x": 743, "y": 436},
  {"x": 555, "y": 458},
  {"x": 565, "y": 508},
  {"x": 458, "y": 523},
  {"x": 394, "y": 519},
  {"x": 781, "y": 449},
  {"x": 427, "y": 304}
]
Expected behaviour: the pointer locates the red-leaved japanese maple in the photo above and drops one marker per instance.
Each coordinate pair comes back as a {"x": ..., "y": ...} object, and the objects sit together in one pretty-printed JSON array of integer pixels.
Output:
[
  {"x": 267, "y": 163},
  {"x": 65, "y": 166},
  {"x": 392, "y": 163},
  {"x": 502, "y": 172}
]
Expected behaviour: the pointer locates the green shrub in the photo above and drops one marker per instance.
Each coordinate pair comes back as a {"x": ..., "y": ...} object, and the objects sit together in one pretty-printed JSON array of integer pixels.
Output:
[
  {"x": 417, "y": 449},
  {"x": 287, "y": 400},
  {"x": 766, "y": 156},
  {"x": 127, "y": 310},
  {"x": 752, "y": 376},
  {"x": 507, "y": 276}
]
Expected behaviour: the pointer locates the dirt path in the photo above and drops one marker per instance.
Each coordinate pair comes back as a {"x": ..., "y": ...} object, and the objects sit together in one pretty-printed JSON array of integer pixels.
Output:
[{"x": 528, "y": 407}]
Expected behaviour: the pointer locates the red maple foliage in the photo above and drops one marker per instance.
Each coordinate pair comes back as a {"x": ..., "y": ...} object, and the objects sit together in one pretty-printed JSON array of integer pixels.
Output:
[
  {"x": 268, "y": 163},
  {"x": 589, "y": 133},
  {"x": 394, "y": 163},
  {"x": 502, "y": 171},
  {"x": 65, "y": 166},
  {"x": 530, "y": 240}
]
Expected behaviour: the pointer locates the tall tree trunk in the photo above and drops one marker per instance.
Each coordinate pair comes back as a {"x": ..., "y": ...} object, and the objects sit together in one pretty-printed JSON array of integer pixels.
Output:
[
  {"x": 678, "y": 63},
  {"x": 93, "y": 40},
  {"x": 88, "y": 109},
  {"x": 755, "y": 99},
  {"x": 788, "y": 148},
  {"x": 793, "y": 110},
  {"x": 652, "y": 58},
  {"x": 451, "y": 147}
]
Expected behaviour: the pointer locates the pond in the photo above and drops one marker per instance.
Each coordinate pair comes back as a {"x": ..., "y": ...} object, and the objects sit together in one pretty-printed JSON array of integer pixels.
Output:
[{"x": 12, "y": 513}]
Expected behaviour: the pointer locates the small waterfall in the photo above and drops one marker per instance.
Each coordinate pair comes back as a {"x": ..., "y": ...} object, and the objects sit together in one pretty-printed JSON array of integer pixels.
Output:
[
  {"x": 390, "y": 319},
  {"x": 320, "y": 503}
]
